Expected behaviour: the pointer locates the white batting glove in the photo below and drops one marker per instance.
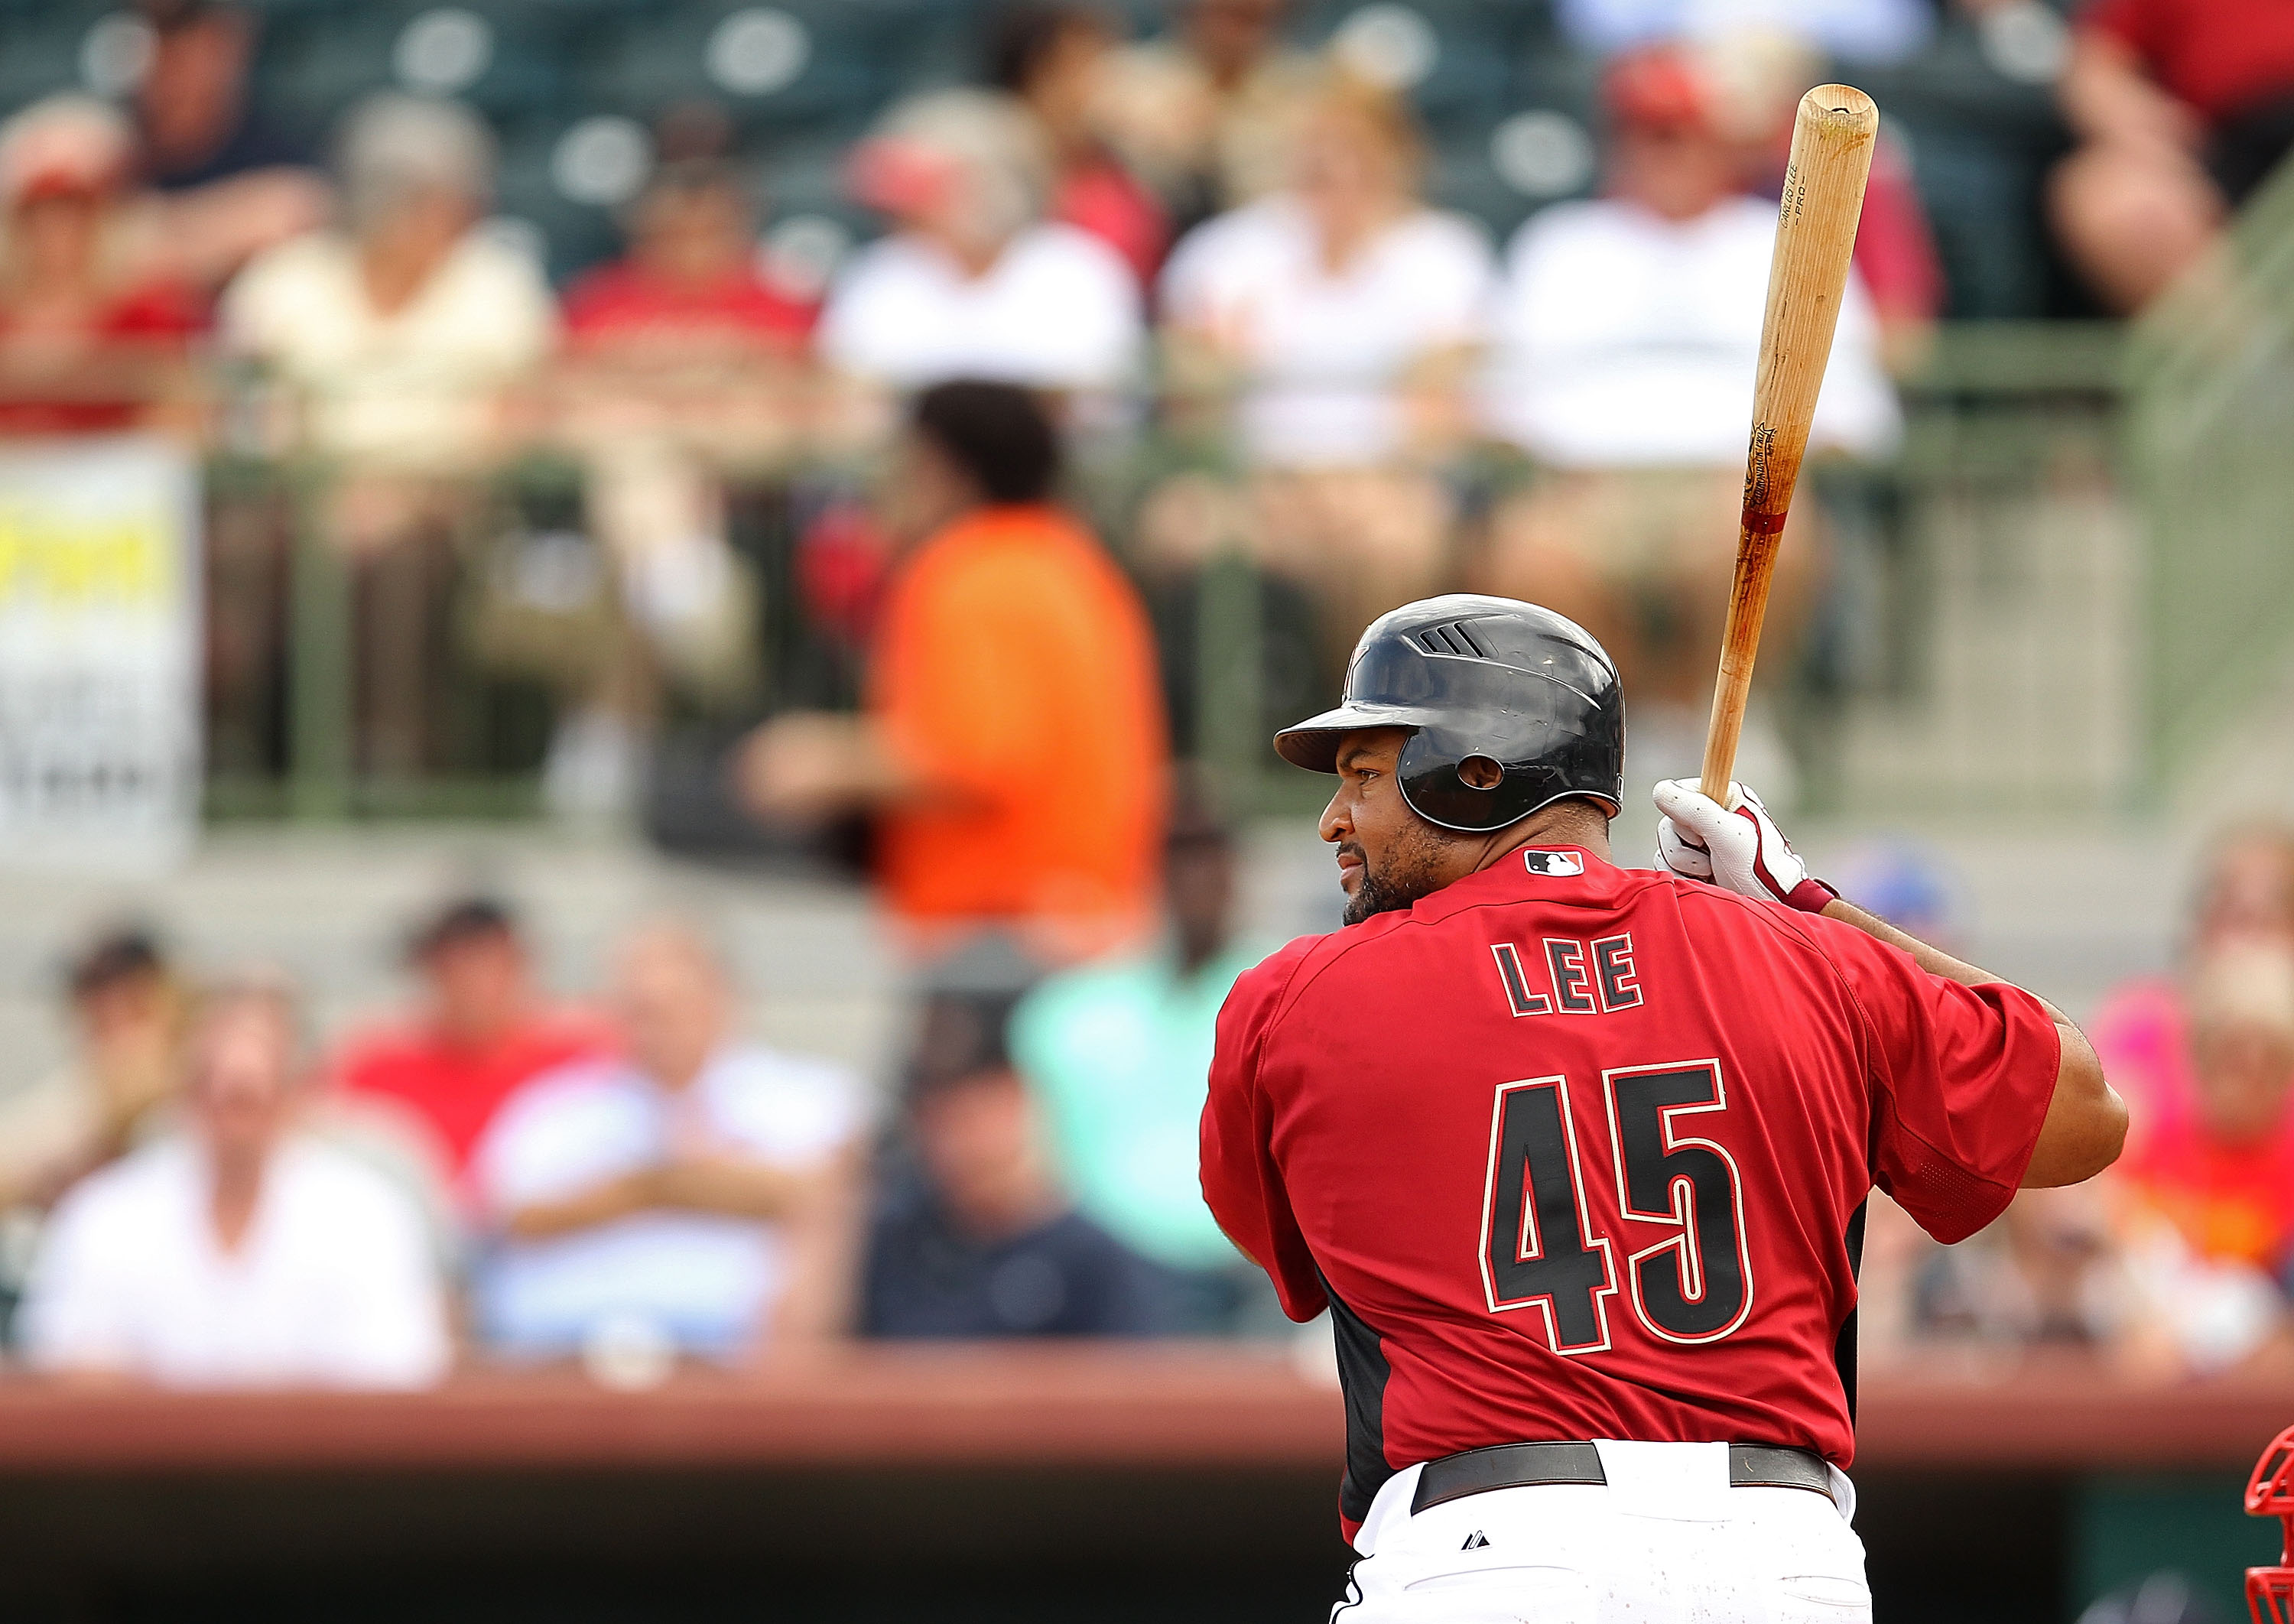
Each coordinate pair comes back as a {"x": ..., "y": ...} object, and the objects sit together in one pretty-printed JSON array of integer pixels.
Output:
[{"x": 1737, "y": 847}]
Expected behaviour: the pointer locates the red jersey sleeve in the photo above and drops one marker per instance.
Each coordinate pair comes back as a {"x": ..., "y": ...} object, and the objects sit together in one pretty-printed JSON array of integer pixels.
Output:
[
  {"x": 1961, "y": 1076},
  {"x": 1241, "y": 1182}
]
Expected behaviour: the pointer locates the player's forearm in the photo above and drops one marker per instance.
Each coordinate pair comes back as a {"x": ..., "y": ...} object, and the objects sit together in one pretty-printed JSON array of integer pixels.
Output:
[{"x": 1933, "y": 959}]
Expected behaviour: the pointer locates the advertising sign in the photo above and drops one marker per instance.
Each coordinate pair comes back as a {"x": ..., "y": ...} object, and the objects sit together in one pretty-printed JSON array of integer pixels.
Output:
[{"x": 99, "y": 739}]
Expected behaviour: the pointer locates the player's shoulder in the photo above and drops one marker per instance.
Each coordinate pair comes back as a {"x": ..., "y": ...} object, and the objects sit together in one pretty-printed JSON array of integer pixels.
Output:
[
  {"x": 1264, "y": 984},
  {"x": 1272, "y": 988},
  {"x": 1707, "y": 908},
  {"x": 1266, "y": 989},
  {"x": 1859, "y": 965}
]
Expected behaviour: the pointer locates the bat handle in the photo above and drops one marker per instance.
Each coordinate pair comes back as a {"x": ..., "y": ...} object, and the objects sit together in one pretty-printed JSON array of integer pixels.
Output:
[{"x": 1740, "y": 642}]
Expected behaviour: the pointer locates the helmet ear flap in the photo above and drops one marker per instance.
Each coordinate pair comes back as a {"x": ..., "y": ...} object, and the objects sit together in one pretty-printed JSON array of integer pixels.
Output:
[
  {"x": 1456, "y": 784},
  {"x": 1480, "y": 771}
]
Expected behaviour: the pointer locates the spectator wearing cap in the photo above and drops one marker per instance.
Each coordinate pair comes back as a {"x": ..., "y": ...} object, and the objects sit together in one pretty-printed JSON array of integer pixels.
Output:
[
  {"x": 128, "y": 1013},
  {"x": 242, "y": 1252},
  {"x": 2181, "y": 110},
  {"x": 1011, "y": 751},
  {"x": 1628, "y": 336},
  {"x": 395, "y": 340},
  {"x": 692, "y": 1194},
  {"x": 976, "y": 1235},
  {"x": 231, "y": 180},
  {"x": 90, "y": 341},
  {"x": 482, "y": 1030},
  {"x": 1118, "y": 1051},
  {"x": 1054, "y": 60},
  {"x": 973, "y": 281},
  {"x": 1342, "y": 315}
]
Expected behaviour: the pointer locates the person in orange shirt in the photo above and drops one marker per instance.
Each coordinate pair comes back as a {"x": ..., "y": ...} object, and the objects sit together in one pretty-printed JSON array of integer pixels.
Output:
[{"x": 1012, "y": 747}]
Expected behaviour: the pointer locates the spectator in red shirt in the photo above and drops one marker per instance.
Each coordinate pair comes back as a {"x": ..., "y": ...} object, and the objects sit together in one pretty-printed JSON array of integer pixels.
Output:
[
  {"x": 87, "y": 345},
  {"x": 680, "y": 357},
  {"x": 483, "y": 1029},
  {"x": 1052, "y": 59},
  {"x": 2182, "y": 109},
  {"x": 689, "y": 288}
]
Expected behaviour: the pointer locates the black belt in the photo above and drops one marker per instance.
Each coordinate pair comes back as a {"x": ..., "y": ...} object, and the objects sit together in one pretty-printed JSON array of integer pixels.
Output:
[{"x": 1517, "y": 1465}]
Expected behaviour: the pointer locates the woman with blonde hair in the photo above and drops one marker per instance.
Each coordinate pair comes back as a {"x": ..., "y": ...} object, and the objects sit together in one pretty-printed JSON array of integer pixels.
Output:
[{"x": 1338, "y": 314}]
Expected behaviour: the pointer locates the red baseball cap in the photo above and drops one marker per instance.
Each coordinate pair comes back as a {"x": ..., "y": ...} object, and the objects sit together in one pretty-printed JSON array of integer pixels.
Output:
[{"x": 1661, "y": 85}]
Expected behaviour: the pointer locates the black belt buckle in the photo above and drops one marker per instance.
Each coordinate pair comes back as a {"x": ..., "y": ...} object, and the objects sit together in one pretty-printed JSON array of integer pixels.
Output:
[{"x": 1521, "y": 1465}]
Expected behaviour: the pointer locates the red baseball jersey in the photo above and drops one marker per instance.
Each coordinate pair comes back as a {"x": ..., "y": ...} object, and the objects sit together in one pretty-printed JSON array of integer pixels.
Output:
[{"x": 1577, "y": 1151}]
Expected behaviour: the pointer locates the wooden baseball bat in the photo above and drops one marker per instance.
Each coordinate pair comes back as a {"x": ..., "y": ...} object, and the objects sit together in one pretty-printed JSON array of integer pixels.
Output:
[{"x": 1816, "y": 234}]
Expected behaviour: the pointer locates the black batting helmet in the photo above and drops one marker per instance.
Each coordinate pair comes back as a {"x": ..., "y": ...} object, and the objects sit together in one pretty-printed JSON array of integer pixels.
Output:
[{"x": 1489, "y": 677}]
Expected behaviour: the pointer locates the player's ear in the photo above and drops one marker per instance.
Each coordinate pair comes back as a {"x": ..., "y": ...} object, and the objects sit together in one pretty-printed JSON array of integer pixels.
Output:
[{"x": 1480, "y": 773}]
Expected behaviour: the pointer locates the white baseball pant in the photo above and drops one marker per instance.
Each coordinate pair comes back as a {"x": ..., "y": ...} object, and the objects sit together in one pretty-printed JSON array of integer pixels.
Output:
[{"x": 1667, "y": 1541}]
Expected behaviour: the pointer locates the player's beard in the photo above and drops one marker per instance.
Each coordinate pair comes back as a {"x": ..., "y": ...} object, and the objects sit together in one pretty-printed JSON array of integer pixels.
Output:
[{"x": 1411, "y": 870}]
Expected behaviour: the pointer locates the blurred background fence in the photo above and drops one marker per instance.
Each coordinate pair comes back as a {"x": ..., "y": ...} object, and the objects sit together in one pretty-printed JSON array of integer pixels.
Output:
[{"x": 2027, "y": 611}]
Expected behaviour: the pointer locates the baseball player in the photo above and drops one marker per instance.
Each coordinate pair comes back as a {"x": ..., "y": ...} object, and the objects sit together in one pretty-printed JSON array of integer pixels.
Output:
[{"x": 1576, "y": 1155}]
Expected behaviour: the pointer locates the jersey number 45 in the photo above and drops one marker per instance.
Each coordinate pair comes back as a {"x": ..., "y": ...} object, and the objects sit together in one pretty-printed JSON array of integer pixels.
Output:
[{"x": 1539, "y": 1247}]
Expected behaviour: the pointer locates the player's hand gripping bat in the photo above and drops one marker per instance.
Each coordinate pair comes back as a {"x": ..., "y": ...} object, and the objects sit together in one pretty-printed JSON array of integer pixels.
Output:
[{"x": 1816, "y": 232}]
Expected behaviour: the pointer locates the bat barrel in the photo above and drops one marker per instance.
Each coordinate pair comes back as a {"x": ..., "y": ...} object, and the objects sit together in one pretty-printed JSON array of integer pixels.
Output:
[{"x": 1817, "y": 214}]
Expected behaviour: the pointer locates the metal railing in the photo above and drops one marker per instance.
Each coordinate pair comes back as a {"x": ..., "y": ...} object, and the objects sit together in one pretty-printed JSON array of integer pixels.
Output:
[{"x": 2074, "y": 573}]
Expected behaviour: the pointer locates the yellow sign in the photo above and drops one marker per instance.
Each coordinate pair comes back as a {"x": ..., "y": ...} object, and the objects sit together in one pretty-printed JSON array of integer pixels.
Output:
[{"x": 50, "y": 559}]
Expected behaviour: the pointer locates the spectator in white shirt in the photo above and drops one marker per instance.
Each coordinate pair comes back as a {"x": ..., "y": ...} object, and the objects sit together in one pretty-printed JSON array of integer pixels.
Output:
[
  {"x": 1628, "y": 333},
  {"x": 396, "y": 339},
  {"x": 972, "y": 281},
  {"x": 695, "y": 1195},
  {"x": 241, "y": 1253},
  {"x": 1339, "y": 315},
  {"x": 399, "y": 331}
]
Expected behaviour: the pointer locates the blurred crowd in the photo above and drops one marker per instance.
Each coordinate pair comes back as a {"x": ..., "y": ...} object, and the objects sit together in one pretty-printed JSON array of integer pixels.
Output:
[
  {"x": 2180, "y": 1261},
  {"x": 205, "y": 1196},
  {"x": 1208, "y": 249}
]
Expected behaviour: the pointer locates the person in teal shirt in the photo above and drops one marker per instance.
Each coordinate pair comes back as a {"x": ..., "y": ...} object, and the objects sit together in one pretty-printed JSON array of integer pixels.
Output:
[{"x": 1120, "y": 1052}]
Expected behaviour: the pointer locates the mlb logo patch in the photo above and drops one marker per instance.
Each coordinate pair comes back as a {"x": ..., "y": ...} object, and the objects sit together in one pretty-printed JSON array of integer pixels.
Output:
[{"x": 1553, "y": 865}]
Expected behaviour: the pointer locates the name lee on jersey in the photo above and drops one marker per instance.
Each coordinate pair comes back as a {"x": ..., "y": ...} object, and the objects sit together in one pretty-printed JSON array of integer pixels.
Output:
[{"x": 1562, "y": 975}]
